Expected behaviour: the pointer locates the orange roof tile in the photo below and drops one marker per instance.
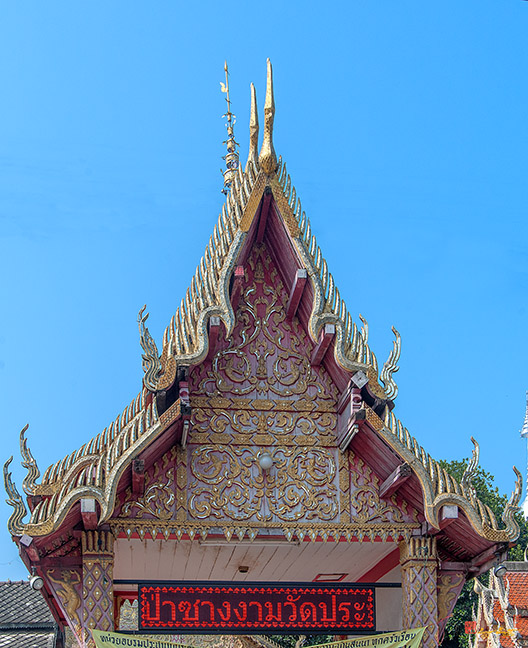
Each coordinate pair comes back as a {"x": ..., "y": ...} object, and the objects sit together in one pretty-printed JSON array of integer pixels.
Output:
[{"x": 518, "y": 584}]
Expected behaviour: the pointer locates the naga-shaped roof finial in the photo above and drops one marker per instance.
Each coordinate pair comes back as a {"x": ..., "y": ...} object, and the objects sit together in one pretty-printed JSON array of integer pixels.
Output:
[
  {"x": 29, "y": 463},
  {"x": 231, "y": 157},
  {"x": 15, "y": 524},
  {"x": 508, "y": 515},
  {"x": 267, "y": 157},
  {"x": 253, "y": 130},
  {"x": 151, "y": 360},
  {"x": 391, "y": 367},
  {"x": 471, "y": 470}
]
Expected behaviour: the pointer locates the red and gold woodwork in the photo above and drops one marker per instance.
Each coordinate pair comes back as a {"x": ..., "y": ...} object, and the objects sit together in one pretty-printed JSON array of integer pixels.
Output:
[
  {"x": 261, "y": 361},
  {"x": 97, "y": 582},
  {"x": 419, "y": 573}
]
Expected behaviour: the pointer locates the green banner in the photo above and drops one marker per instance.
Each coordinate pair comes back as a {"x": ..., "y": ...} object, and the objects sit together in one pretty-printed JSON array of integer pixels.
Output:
[
  {"x": 400, "y": 639},
  {"x": 109, "y": 639}
]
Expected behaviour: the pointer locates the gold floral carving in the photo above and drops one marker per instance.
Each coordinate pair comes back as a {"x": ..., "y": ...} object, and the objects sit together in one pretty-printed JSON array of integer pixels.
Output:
[
  {"x": 181, "y": 484},
  {"x": 366, "y": 504},
  {"x": 260, "y": 386},
  {"x": 228, "y": 482},
  {"x": 344, "y": 486},
  {"x": 158, "y": 498}
]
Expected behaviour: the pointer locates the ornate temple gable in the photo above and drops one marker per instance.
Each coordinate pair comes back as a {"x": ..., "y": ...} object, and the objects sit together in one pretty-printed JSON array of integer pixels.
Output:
[
  {"x": 260, "y": 393},
  {"x": 97, "y": 468}
]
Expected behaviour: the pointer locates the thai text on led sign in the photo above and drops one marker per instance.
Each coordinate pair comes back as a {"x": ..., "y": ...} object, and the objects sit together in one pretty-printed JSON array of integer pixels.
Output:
[{"x": 228, "y": 607}]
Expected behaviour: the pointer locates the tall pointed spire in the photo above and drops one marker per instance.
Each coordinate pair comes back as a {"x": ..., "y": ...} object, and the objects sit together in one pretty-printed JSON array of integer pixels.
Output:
[
  {"x": 524, "y": 431},
  {"x": 253, "y": 129},
  {"x": 524, "y": 435},
  {"x": 268, "y": 158},
  {"x": 231, "y": 157}
]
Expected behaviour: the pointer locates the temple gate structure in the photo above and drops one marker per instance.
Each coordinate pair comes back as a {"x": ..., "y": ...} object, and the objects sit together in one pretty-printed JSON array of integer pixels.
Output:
[{"x": 262, "y": 449}]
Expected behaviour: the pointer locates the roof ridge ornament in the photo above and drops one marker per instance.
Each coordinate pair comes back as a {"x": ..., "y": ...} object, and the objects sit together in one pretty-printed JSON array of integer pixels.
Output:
[
  {"x": 471, "y": 470},
  {"x": 231, "y": 157},
  {"x": 15, "y": 524},
  {"x": 391, "y": 367},
  {"x": 268, "y": 157},
  {"x": 29, "y": 463},
  {"x": 253, "y": 131},
  {"x": 151, "y": 360}
]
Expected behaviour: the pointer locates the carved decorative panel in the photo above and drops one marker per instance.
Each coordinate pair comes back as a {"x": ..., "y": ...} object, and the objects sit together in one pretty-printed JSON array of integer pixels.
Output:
[
  {"x": 365, "y": 502},
  {"x": 260, "y": 387},
  {"x": 158, "y": 500},
  {"x": 259, "y": 392},
  {"x": 66, "y": 585},
  {"x": 228, "y": 482}
]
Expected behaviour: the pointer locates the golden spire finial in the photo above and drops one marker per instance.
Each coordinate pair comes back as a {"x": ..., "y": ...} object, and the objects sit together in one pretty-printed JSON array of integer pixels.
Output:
[
  {"x": 267, "y": 158},
  {"x": 253, "y": 129},
  {"x": 231, "y": 157}
]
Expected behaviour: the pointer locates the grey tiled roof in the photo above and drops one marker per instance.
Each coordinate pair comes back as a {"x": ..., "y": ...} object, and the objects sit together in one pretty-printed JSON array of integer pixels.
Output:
[
  {"x": 21, "y": 606},
  {"x": 27, "y": 639},
  {"x": 25, "y": 619}
]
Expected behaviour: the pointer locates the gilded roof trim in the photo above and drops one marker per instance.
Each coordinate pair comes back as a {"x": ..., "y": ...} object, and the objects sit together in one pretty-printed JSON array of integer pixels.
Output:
[
  {"x": 441, "y": 489},
  {"x": 95, "y": 469}
]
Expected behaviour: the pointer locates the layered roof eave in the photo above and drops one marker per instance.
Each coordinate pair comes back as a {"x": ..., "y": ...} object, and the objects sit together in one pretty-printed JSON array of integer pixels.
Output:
[
  {"x": 96, "y": 468},
  {"x": 186, "y": 343}
]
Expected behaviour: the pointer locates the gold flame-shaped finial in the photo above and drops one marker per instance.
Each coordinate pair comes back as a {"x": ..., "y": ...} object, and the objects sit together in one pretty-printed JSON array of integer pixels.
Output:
[
  {"x": 253, "y": 129},
  {"x": 231, "y": 157},
  {"x": 268, "y": 158}
]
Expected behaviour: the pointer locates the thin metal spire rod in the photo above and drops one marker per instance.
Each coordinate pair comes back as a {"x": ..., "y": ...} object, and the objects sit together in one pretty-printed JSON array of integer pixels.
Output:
[{"x": 232, "y": 156}]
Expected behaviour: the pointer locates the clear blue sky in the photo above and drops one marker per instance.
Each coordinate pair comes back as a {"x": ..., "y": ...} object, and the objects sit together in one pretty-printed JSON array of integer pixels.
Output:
[{"x": 404, "y": 127}]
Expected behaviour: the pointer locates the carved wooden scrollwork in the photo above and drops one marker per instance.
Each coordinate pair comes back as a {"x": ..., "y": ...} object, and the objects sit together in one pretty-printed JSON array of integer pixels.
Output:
[{"x": 228, "y": 482}]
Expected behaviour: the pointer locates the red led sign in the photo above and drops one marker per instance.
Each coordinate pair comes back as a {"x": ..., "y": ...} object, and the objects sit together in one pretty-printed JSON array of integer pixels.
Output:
[{"x": 225, "y": 607}]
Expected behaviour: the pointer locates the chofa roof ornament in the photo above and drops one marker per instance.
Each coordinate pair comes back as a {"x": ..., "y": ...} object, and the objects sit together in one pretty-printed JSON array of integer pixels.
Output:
[{"x": 268, "y": 157}]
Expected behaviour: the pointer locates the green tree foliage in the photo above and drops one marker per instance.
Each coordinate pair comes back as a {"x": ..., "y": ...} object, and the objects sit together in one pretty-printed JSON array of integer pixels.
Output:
[{"x": 488, "y": 493}]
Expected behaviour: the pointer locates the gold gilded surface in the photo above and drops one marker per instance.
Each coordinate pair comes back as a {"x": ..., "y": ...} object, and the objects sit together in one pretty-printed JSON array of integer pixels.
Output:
[
  {"x": 268, "y": 157},
  {"x": 419, "y": 570},
  {"x": 159, "y": 496},
  {"x": 448, "y": 588},
  {"x": 65, "y": 583},
  {"x": 181, "y": 484},
  {"x": 284, "y": 207},
  {"x": 373, "y": 419},
  {"x": 252, "y": 204},
  {"x": 228, "y": 482},
  {"x": 441, "y": 489},
  {"x": 235, "y": 530},
  {"x": 260, "y": 385}
]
